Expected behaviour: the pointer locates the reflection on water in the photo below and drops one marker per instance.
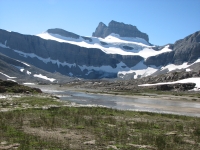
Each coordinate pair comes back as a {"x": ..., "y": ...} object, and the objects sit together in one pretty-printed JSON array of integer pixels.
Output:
[{"x": 127, "y": 103}]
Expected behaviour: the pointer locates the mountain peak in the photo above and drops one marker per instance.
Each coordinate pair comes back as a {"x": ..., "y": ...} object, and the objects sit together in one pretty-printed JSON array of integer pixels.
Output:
[{"x": 124, "y": 30}]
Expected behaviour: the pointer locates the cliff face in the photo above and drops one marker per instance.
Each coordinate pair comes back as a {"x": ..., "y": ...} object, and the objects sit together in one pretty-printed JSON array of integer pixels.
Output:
[
  {"x": 184, "y": 50},
  {"x": 187, "y": 49},
  {"x": 61, "y": 57},
  {"x": 124, "y": 30},
  {"x": 73, "y": 55}
]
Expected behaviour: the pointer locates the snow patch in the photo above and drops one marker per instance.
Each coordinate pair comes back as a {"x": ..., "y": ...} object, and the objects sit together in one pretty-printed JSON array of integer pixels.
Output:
[
  {"x": 120, "y": 66},
  {"x": 28, "y": 72},
  {"x": 20, "y": 68},
  {"x": 8, "y": 76},
  {"x": 188, "y": 80},
  {"x": 29, "y": 83},
  {"x": 88, "y": 73},
  {"x": 114, "y": 44},
  {"x": 140, "y": 70},
  {"x": 3, "y": 45},
  {"x": 70, "y": 74},
  {"x": 11, "y": 80},
  {"x": 1, "y": 96},
  {"x": 23, "y": 63},
  {"x": 113, "y": 37},
  {"x": 188, "y": 70},
  {"x": 45, "y": 60},
  {"x": 44, "y": 77},
  {"x": 171, "y": 67}
]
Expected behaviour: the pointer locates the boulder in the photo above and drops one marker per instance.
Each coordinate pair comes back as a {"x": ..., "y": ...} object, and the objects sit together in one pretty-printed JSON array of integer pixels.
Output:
[{"x": 177, "y": 87}]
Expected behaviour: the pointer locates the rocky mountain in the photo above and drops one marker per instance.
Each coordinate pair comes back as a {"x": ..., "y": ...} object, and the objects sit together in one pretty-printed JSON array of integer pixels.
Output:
[
  {"x": 118, "y": 50},
  {"x": 65, "y": 58},
  {"x": 18, "y": 71},
  {"x": 184, "y": 50},
  {"x": 124, "y": 30}
]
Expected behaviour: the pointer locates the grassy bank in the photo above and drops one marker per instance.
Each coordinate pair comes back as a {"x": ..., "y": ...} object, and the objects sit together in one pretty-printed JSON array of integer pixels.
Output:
[{"x": 60, "y": 127}]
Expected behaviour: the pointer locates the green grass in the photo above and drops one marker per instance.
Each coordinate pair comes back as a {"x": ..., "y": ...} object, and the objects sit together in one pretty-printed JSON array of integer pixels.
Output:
[
  {"x": 104, "y": 125},
  {"x": 33, "y": 101}
]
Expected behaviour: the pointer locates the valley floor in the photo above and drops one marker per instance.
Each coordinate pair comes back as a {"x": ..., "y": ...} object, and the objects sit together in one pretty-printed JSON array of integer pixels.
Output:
[
  {"x": 42, "y": 121},
  {"x": 185, "y": 103}
]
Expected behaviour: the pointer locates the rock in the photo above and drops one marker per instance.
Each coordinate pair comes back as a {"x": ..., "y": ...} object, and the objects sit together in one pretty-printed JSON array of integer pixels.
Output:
[
  {"x": 111, "y": 125},
  {"x": 103, "y": 43},
  {"x": 127, "y": 47},
  {"x": 4, "y": 143},
  {"x": 27, "y": 92},
  {"x": 90, "y": 142},
  {"x": 87, "y": 38},
  {"x": 179, "y": 87},
  {"x": 171, "y": 133},
  {"x": 12, "y": 146},
  {"x": 142, "y": 146},
  {"x": 112, "y": 147},
  {"x": 184, "y": 50},
  {"x": 112, "y": 142},
  {"x": 63, "y": 33},
  {"x": 190, "y": 142},
  {"x": 124, "y": 30}
]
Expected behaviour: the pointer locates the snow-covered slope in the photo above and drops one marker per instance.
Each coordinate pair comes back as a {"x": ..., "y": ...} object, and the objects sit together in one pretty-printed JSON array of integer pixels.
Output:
[
  {"x": 141, "y": 70},
  {"x": 57, "y": 50},
  {"x": 112, "y": 44},
  {"x": 18, "y": 71}
]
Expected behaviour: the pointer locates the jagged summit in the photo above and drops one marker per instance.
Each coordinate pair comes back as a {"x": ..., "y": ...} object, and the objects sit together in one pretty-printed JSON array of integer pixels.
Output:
[{"x": 124, "y": 30}]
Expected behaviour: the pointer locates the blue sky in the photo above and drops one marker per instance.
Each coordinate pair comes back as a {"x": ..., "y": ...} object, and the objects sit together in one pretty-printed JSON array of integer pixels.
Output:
[{"x": 165, "y": 21}]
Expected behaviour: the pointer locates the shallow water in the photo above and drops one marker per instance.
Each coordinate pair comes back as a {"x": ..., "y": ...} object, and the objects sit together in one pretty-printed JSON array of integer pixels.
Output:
[{"x": 136, "y": 104}]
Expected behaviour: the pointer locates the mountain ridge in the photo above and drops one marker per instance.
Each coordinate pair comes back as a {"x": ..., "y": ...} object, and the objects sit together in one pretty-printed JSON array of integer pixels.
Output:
[
  {"x": 124, "y": 30},
  {"x": 113, "y": 56}
]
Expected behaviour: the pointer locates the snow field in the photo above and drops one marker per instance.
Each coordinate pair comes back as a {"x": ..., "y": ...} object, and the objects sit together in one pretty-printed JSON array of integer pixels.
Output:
[
  {"x": 188, "y": 80},
  {"x": 114, "y": 44},
  {"x": 44, "y": 77}
]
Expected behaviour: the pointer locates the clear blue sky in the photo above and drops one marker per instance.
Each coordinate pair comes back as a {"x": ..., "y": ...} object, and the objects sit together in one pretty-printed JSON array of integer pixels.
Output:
[{"x": 165, "y": 21}]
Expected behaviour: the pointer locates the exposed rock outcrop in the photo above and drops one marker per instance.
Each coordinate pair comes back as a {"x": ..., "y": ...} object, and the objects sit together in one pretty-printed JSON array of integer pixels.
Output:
[
  {"x": 184, "y": 50},
  {"x": 67, "y": 34},
  {"x": 124, "y": 30},
  {"x": 176, "y": 87},
  {"x": 63, "y": 33},
  {"x": 187, "y": 49}
]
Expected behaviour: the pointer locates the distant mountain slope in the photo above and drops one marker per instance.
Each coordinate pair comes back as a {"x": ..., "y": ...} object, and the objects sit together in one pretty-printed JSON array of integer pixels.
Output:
[
  {"x": 70, "y": 54},
  {"x": 15, "y": 70},
  {"x": 112, "y": 44},
  {"x": 184, "y": 50},
  {"x": 68, "y": 59}
]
